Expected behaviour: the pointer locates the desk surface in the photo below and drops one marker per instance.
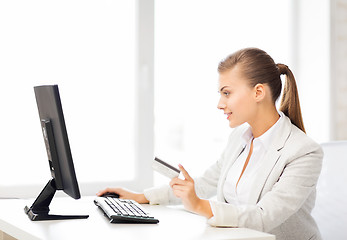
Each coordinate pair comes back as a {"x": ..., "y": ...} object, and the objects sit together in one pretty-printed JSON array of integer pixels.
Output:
[{"x": 175, "y": 223}]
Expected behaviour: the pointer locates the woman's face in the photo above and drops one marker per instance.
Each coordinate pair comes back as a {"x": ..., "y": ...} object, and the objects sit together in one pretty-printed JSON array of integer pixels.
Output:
[{"x": 237, "y": 98}]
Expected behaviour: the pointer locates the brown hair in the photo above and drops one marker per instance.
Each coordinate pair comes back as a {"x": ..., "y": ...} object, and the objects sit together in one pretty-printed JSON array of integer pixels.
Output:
[{"x": 259, "y": 67}]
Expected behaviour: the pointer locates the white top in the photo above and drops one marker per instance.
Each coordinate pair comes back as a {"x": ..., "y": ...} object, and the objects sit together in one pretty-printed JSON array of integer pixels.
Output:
[{"x": 240, "y": 194}]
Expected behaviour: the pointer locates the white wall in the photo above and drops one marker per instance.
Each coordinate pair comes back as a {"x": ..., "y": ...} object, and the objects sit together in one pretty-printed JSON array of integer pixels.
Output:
[{"x": 338, "y": 91}]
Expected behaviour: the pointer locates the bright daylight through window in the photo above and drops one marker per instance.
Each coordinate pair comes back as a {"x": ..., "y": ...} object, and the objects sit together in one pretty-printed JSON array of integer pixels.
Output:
[{"x": 87, "y": 48}]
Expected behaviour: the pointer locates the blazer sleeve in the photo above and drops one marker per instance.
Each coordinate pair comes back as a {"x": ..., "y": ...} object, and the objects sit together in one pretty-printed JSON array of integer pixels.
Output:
[{"x": 297, "y": 180}]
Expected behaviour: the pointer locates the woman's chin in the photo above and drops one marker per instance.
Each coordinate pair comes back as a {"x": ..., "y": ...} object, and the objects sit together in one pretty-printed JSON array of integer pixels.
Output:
[{"x": 234, "y": 124}]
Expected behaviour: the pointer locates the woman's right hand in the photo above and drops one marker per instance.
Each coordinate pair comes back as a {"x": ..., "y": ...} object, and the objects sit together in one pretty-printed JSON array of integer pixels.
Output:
[{"x": 138, "y": 197}]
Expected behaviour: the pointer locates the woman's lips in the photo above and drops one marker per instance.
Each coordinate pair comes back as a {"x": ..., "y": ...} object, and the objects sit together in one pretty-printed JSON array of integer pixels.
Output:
[{"x": 228, "y": 115}]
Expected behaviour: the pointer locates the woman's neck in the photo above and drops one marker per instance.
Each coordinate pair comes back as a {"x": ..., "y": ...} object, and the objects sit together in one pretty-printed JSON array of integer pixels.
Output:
[{"x": 263, "y": 121}]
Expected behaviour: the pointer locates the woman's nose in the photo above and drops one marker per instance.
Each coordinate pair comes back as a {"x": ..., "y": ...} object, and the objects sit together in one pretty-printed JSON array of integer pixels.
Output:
[{"x": 221, "y": 105}]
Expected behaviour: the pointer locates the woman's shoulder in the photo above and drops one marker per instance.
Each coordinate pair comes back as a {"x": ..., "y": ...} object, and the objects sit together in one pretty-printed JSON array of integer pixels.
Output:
[
  {"x": 298, "y": 135},
  {"x": 299, "y": 143}
]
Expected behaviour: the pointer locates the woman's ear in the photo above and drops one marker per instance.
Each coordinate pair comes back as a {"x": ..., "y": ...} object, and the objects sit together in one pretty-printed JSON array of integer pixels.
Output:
[{"x": 260, "y": 92}]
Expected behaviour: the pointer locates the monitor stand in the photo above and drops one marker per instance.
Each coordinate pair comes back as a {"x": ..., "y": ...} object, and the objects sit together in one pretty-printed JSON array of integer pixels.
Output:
[{"x": 40, "y": 209}]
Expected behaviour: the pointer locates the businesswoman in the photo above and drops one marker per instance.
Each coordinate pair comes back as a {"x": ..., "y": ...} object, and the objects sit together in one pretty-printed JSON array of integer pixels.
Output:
[{"x": 266, "y": 177}]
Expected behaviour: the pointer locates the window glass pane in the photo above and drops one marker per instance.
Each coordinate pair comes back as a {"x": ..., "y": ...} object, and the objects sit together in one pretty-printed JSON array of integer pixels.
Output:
[
  {"x": 87, "y": 48},
  {"x": 191, "y": 38}
]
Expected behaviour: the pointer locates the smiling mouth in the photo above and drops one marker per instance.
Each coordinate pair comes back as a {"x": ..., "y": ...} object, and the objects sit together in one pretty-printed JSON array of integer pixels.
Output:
[{"x": 228, "y": 115}]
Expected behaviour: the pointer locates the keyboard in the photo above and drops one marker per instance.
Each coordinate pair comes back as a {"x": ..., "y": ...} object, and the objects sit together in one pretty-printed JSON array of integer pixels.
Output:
[{"x": 123, "y": 210}]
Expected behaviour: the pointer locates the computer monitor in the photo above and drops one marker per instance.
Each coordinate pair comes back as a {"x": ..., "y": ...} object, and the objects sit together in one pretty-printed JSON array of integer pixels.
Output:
[{"x": 59, "y": 155}]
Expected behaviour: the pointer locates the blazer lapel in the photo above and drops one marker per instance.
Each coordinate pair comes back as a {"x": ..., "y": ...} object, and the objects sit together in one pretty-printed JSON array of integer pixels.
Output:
[{"x": 271, "y": 157}]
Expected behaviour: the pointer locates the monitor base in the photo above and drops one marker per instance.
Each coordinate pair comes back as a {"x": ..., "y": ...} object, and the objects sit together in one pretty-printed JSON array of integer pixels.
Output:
[
  {"x": 45, "y": 216},
  {"x": 39, "y": 211}
]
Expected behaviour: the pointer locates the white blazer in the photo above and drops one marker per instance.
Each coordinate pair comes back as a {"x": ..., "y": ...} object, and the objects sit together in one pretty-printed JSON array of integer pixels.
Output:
[{"x": 283, "y": 194}]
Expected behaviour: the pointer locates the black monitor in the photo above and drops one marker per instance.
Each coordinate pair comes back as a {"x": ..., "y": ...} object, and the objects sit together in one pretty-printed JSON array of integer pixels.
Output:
[{"x": 59, "y": 155}]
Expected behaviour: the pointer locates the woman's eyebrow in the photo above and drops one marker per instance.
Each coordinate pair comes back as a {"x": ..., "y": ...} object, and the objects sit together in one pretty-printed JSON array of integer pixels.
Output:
[{"x": 223, "y": 88}]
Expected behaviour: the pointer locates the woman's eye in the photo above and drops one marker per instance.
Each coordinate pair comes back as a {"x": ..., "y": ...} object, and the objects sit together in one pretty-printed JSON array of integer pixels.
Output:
[{"x": 226, "y": 93}]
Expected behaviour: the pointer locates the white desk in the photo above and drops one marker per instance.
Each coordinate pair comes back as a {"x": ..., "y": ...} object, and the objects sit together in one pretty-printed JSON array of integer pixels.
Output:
[{"x": 175, "y": 223}]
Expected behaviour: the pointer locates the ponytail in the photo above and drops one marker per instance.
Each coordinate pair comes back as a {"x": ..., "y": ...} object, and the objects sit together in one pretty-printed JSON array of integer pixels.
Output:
[{"x": 290, "y": 104}]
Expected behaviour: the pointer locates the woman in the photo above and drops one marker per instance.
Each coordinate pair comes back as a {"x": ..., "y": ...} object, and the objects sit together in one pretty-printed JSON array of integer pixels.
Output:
[{"x": 267, "y": 175}]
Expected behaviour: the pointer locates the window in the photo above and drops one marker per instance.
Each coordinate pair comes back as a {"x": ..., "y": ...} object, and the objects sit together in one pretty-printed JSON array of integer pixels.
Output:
[{"x": 88, "y": 49}]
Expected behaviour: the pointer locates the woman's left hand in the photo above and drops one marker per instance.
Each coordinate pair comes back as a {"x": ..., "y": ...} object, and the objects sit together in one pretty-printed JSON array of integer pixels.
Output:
[{"x": 185, "y": 190}]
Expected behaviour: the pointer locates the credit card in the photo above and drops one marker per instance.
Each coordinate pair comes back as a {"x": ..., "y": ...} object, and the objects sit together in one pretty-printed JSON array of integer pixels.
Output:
[{"x": 164, "y": 168}]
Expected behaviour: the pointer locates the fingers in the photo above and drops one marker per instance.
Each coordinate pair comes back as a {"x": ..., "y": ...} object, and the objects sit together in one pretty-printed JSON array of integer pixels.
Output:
[
  {"x": 102, "y": 192},
  {"x": 183, "y": 188},
  {"x": 178, "y": 181},
  {"x": 178, "y": 193},
  {"x": 185, "y": 192},
  {"x": 180, "y": 188},
  {"x": 185, "y": 173},
  {"x": 108, "y": 190}
]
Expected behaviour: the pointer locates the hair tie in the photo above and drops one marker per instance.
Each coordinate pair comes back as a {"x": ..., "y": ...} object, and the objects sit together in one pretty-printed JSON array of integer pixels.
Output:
[{"x": 282, "y": 68}]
